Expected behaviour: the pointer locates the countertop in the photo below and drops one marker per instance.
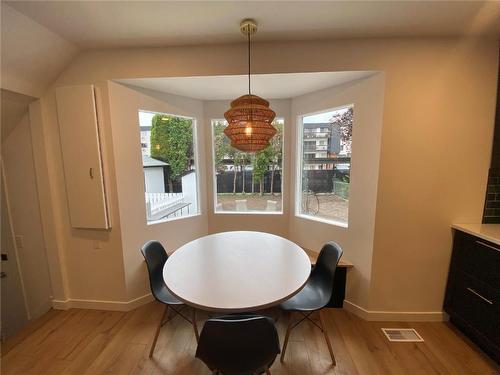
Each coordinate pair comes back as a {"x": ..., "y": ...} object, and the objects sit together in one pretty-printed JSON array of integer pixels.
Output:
[{"x": 488, "y": 232}]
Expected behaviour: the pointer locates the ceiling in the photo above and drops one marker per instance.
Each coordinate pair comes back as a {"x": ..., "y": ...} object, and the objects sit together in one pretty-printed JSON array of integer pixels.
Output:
[
  {"x": 13, "y": 107},
  {"x": 31, "y": 55},
  {"x": 96, "y": 24},
  {"x": 269, "y": 86}
]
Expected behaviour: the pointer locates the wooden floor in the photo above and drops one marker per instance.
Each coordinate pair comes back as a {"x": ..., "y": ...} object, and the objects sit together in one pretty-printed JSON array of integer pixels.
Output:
[{"x": 105, "y": 342}]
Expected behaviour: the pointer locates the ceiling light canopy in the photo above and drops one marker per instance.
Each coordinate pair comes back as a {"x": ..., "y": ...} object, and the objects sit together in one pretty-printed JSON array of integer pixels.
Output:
[{"x": 249, "y": 118}]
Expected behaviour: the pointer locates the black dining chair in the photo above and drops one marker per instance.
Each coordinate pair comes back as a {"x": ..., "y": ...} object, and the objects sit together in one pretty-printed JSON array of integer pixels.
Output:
[
  {"x": 156, "y": 256},
  {"x": 238, "y": 344},
  {"x": 315, "y": 295}
]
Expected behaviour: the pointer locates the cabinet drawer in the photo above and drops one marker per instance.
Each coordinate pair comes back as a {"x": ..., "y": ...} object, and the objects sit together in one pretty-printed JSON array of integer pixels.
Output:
[
  {"x": 476, "y": 303},
  {"x": 477, "y": 257}
]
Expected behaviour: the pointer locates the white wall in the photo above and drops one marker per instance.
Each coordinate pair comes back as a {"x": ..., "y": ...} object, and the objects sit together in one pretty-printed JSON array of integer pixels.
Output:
[
  {"x": 367, "y": 96},
  {"x": 125, "y": 103},
  {"x": 435, "y": 88},
  {"x": 32, "y": 55},
  {"x": 154, "y": 181},
  {"x": 190, "y": 191}
]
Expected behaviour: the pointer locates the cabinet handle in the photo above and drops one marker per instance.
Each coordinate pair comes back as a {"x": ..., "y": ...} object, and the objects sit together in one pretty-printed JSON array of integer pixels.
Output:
[
  {"x": 487, "y": 245},
  {"x": 480, "y": 296},
  {"x": 91, "y": 173}
]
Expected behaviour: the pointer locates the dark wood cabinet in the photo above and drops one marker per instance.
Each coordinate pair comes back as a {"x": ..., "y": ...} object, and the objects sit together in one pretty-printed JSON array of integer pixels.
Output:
[{"x": 473, "y": 291}]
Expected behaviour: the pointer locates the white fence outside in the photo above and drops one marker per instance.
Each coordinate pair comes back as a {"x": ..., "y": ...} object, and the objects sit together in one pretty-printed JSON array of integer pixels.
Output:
[{"x": 159, "y": 205}]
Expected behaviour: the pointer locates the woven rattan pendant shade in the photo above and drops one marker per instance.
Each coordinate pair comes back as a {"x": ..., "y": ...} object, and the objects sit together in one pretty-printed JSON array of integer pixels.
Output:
[
  {"x": 249, "y": 123},
  {"x": 249, "y": 118}
]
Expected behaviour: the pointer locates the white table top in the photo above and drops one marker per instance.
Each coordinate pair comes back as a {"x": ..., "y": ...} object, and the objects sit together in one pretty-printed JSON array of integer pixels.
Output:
[{"x": 236, "y": 271}]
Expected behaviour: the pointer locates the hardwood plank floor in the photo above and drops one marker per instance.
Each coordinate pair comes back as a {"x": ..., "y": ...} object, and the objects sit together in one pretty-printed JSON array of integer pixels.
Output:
[{"x": 91, "y": 342}]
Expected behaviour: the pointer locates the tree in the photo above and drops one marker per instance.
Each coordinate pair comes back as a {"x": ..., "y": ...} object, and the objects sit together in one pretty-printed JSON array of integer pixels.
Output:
[
  {"x": 171, "y": 142},
  {"x": 239, "y": 161},
  {"x": 342, "y": 122},
  {"x": 221, "y": 145},
  {"x": 276, "y": 150},
  {"x": 260, "y": 164}
]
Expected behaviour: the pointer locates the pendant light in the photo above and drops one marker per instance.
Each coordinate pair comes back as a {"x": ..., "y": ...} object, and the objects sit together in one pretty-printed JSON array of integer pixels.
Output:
[{"x": 249, "y": 118}]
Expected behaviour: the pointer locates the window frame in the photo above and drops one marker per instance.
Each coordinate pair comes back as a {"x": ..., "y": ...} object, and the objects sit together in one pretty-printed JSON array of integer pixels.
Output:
[
  {"x": 214, "y": 175},
  {"x": 196, "y": 168},
  {"x": 299, "y": 147}
]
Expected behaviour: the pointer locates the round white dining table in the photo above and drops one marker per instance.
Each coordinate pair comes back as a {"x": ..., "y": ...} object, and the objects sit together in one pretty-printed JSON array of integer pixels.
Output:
[{"x": 236, "y": 271}]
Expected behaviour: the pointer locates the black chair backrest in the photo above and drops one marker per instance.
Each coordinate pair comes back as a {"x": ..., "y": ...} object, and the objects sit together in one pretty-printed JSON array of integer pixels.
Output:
[
  {"x": 323, "y": 272},
  {"x": 156, "y": 256},
  {"x": 238, "y": 344}
]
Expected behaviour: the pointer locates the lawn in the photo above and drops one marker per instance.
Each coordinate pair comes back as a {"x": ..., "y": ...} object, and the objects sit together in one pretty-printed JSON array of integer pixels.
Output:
[{"x": 331, "y": 206}]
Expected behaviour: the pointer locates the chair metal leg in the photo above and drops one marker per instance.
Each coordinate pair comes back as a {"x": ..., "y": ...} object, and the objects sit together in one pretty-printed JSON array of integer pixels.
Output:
[
  {"x": 287, "y": 335},
  {"x": 196, "y": 334},
  {"x": 157, "y": 333},
  {"x": 276, "y": 315},
  {"x": 327, "y": 339}
]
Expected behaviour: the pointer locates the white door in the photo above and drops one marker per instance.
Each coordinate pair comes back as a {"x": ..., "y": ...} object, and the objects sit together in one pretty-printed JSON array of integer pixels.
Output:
[
  {"x": 13, "y": 310},
  {"x": 22, "y": 198}
]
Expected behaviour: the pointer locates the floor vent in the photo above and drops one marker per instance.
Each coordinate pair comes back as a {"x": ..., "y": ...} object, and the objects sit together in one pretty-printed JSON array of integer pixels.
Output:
[{"x": 402, "y": 335}]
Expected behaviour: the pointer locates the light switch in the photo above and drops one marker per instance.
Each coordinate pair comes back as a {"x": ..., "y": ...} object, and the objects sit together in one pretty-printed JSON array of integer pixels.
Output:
[
  {"x": 96, "y": 244},
  {"x": 20, "y": 242}
]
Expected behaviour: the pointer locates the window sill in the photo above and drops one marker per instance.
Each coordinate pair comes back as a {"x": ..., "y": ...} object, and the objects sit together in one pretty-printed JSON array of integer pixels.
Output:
[
  {"x": 248, "y": 212},
  {"x": 155, "y": 222},
  {"x": 324, "y": 221}
]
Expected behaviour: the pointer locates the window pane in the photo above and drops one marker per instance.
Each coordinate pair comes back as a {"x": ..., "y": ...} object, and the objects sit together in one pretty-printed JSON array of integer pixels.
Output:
[
  {"x": 326, "y": 165},
  {"x": 247, "y": 182},
  {"x": 169, "y": 167}
]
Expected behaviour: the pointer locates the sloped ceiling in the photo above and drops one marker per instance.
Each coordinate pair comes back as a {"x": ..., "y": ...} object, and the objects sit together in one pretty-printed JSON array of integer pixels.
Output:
[
  {"x": 269, "y": 86},
  {"x": 40, "y": 38},
  {"x": 13, "y": 107},
  {"x": 107, "y": 24},
  {"x": 32, "y": 56}
]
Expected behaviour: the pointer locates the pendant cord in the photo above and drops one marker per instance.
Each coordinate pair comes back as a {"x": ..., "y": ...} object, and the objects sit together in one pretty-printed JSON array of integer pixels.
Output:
[
  {"x": 249, "y": 86},
  {"x": 249, "y": 64}
]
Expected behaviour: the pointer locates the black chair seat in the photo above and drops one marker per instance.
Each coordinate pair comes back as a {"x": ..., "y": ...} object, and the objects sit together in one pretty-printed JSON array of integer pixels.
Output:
[
  {"x": 238, "y": 344},
  {"x": 164, "y": 296},
  {"x": 310, "y": 298}
]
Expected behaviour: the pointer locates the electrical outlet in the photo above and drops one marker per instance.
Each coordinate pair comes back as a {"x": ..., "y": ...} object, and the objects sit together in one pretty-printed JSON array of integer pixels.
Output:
[
  {"x": 96, "y": 244},
  {"x": 20, "y": 242}
]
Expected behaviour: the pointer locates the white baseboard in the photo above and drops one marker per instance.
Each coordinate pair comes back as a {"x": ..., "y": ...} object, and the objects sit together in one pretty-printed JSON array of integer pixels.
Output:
[
  {"x": 395, "y": 316},
  {"x": 382, "y": 316},
  {"x": 102, "y": 305}
]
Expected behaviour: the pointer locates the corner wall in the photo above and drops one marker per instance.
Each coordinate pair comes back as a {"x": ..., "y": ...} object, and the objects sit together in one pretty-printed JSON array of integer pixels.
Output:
[
  {"x": 367, "y": 96},
  {"x": 436, "y": 146},
  {"x": 125, "y": 103}
]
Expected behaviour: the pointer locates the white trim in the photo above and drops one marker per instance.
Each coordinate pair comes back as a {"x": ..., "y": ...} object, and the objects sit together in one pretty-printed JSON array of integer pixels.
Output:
[
  {"x": 102, "y": 305},
  {"x": 164, "y": 220},
  {"x": 196, "y": 156},
  {"x": 322, "y": 220},
  {"x": 392, "y": 316},
  {"x": 299, "y": 170},
  {"x": 248, "y": 212},
  {"x": 214, "y": 174}
]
